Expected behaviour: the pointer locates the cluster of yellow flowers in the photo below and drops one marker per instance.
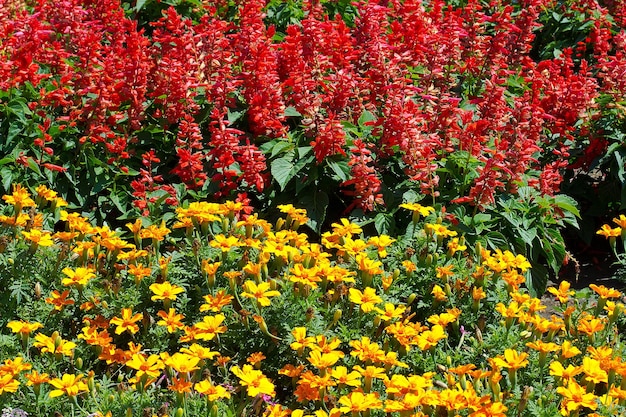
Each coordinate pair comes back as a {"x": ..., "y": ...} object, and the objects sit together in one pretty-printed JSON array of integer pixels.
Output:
[{"x": 248, "y": 271}]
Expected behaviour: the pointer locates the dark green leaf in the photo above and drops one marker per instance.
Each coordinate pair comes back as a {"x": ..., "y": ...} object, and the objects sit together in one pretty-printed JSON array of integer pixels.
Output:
[
  {"x": 282, "y": 171},
  {"x": 316, "y": 204},
  {"x": 384, "y": 223}
]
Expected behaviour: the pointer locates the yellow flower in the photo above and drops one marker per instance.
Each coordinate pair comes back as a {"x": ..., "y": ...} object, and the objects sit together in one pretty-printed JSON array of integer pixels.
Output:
[
  {"x": 324, "y": 360},
  {"x": 182, "y": 362},
  {"x": 255, "y": 381},
  {"x": 341, "y": 375},
  {"x": 562, "y": 293},
  {"x": 150, "y": 366},
  {"x": 68, "y": 384},
  {"x": 210, "y": 326},
  {"x": 213, "y": 392},
  {"x": 512, "y": 359},
  {"x": 23, "y": 327},
  {"x": 165, "y": 291},
  {"x": 346, "y": 228},
  {"x": 605, "y": 292},
  {"x": 439, "y": 293},
  {"x": 575, "y": 397},
  {"x": 38, "y": 237},
  {"x": 20, "y": 197},
  {"x": 127, "y": 321},
  {"x": 217, "y": 302},
  {"x": 171, "y": 320},
  {"x": 366, "y": 299},
  {"x": 260, "y": 293},
  {"x": 155, "y": 233},
  {"x": 224, "y": 243},
  {"x": 79, "y": 278},
  {"x": 54, "y": 344},
  {"x": 356, "y": 401},
  {"x": 430, "y": 338},
  {"x": 418, "y": 208},
  {"x": 607, "y": 231},
  {"x": 8, "y": 384}
]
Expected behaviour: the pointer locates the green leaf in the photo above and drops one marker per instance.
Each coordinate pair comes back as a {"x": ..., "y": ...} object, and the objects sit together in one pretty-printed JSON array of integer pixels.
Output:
[
  {"x": 291, "y": 112},
  {"x": 7, "y": 178},
  {"x": 527, "y": 235},
  {"x": 366, "y": 116},
  {"x": 384, "y": 223},
  {"x": 140, "y": 4},
  {"x": 340, "y": 168},
  {"x": 282, "y": 170},
  {"x": 6, "y": 160},
  {"x": 280, "y": 147},
  {"x": 537, "y": 280},
  {"x": 316, "y": 204},
  {"x": 33, "y": 165},
  {"x": 567, "y": 203}
]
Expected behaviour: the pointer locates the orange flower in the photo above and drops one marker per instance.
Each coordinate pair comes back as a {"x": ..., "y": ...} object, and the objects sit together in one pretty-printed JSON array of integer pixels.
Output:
[
  {"x": 575, "y": 397},
  {"x": 171, "y": 320},
  {"x": 127, "y": 321},
  {"x": 562, "y": 293},
  {"x": 8, "y": 384},
  {"x": 79, "y": 278},
  {"x": 213, "y": 392},
  {"x": 59, "y": 300}
]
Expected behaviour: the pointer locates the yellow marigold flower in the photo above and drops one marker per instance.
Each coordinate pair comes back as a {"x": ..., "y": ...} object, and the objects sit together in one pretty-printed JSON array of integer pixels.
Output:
[
  {"x": 357, "y": 401},
  {"x": 23, "y": 327},
  {"x": 182, "y": 362},
  {"x": 54, "y": 344},
  {"x": 366, "y": 299},
  {"x": 14, "y": 366},
  {"x": 557, "y": 369},
  {"x": 35, "y": 378},
  {"x": 562, "y": 293},
  {"x": 210, "y": 326},
  {"x": 79, "y": 277},
  {"x": 165, "y": 291},
  {"x": 455, "y": 246},
  {"x": 576, "y": 397},
  {"x": 199, "y": 351},
  {"x": 512, "y": 359},
  {"x": 440, "y": 230},
  {"x": 346, "y": 228},
  {"x": 255, "y": 381},
  {"x": 381, "y": 243},
  {"x": 20, "y": 197},
  {"x": 213, "y": 392},
  {"x": 155, "y": 233},
  {"x": 301, "y": 340},
  {"x": 605, "y": 292},
  {"x": 171, "y": 320},
  {"x": 367, "y": 265},
  {"x": 324, "y": 360},
  {"x": 39, "y": 237},
  {"x": 593, "y": 371},
  {"x": 439, "y": 294},
  {"x": 418, "y": 208},
  {"x": 390, "y": 312},
  {"x": 215, "y": 303},
  {"x": 260, "y": 293},
  {"x": 341, "y": 375},
  {"x": 68, "y": 384},
  {"x": 568, "y": 350},
  {"x": 127, "y": 321},
  {"x": 409, "y": 266},
  {"x": 430, "y": 338},
  {"x": 224, "y": 243},
  {"x": 607, "y": 231},
  {"x": 150, "y": 366},
  {"x": 8, "y": 384}
]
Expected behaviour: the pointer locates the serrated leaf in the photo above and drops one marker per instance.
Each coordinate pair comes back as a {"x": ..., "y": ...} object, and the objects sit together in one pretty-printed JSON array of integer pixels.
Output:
[
  {"x": 282, "y": 171},
  {"x": 384, "y": 223},
  {"x": 527, "y": 235},
  {"x": 7, "y": 179},
  {"x": 280, "y": 147},
  {"x": 340, "y": 168},
  {"x": 567, "y": 203}
]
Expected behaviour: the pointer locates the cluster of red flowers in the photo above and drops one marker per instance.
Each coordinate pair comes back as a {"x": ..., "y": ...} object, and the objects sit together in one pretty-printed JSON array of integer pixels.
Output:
[{"x": 438, "y": 79}]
